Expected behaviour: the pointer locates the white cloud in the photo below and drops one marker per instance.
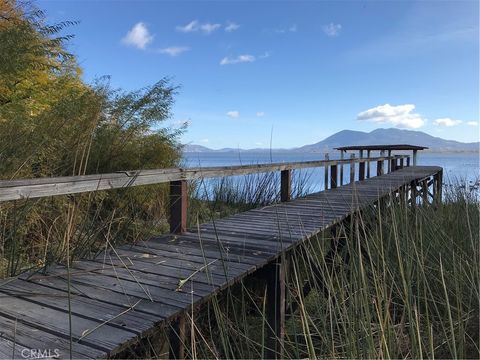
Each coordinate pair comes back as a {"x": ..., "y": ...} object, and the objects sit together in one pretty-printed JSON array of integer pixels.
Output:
[
  {"x": 195, "y": 26},
  {"x": 472, "y": 123},
  {"x": 291, "y": 29},
  {"x": 190, "y": 27},
  {"x": 237, "y": 60},
  {"x": 259, "y": 144},
  {"x": 234, "y": 114},
  {"x": 231, "y": 26},
  {"x": 209, "y": 28},
  {"x": 260, "y": 113},
  {"x": 332, "y": 29},
  {"x": 447, "y": 122},
  {"x": 138, "y": 36},
  {"x": 174, "y": 50},
  {"x": 401, "y": 116},
  {"x": 205, "y": 141}
]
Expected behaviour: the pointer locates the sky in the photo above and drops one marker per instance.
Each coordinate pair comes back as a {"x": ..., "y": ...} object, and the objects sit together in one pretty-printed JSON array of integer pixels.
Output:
[{"x": 284, "y": 74}]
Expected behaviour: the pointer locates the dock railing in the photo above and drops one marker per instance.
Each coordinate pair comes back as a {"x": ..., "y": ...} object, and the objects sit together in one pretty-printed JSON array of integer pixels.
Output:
[{"x": 178, "y": 179}]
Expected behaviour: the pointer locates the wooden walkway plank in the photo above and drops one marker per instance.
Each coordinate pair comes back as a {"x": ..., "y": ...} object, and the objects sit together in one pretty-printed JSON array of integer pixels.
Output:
[
  {"x": 192, "y": 259},
  {"x": 119, "y": 285},
  {"x": 17, "y": 337},
  {"x": 115, "y": 315},
  {"x": 159, "y": 280},
  {"x": 206, "y": 273},
  {"x": 212, "y": 249},
  {"x": 141, "y": 262},
  {"x": 87, "y": 332},
  {"x": 161, "y": 308}
]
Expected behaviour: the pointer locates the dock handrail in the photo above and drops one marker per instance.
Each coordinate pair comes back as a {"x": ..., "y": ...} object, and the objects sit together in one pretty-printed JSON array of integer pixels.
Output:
[
  {"x": 178, "y": 177},
  {"x": 65, "y": 185}
]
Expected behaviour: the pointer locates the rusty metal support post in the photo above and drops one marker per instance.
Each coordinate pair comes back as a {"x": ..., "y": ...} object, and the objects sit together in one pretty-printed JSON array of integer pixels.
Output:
[
  {"x": 326, "y": 172},
  {"x": 352, "y": 168},
  {"x": 176, "y": 339},
  {"x": 274, "y": 274},
  {"x": 178, "y": 206},
  {"x": 401, "y": 164},
  {"x": 333, "y": 176},
  {"x": 408, "y": 161},
  {"x": 285, "y": 185}
]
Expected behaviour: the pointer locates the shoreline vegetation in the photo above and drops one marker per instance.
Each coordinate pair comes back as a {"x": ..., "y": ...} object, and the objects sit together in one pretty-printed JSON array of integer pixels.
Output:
[{"x": 404, "y": 283}]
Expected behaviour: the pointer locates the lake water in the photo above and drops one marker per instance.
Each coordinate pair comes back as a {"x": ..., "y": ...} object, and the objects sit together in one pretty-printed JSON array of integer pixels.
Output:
[{"x": 457, "y": 166}]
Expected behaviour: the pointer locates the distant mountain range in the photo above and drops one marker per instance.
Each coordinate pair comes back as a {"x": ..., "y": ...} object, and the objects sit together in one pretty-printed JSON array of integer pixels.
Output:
[{"x": 375, "y": 137}]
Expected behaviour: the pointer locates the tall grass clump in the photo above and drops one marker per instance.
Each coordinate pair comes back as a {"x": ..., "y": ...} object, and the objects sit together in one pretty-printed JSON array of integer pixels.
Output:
[{"x": 395, "y": 281}]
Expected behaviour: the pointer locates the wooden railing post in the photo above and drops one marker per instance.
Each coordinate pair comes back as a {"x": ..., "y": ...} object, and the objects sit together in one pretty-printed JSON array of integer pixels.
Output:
[
  {"x": 379, "y": 167},
  {"x": 393, "y": 165},
  {"x": 333, "y": 176},
  {"x": 178, "y": 206},
  {"x": 439, "y": 187},
  {"x": 352, "y": 168},
  {"x": 341, "y": 167},
  {"x": 285, "y": 185},
  {"x": 389, "y": 164},
  {"x": 326, "y": 171},
  {"x": 361, "y": 170},
  {"x": 274, "y": 274},
  {"x": 368, "y": 164}
]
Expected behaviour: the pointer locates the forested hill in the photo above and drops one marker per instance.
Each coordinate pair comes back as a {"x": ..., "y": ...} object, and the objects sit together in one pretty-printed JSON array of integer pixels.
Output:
[{"x": 389, "y": 136}]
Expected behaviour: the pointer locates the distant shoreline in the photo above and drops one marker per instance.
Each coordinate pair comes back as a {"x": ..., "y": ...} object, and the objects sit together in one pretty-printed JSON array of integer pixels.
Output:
[{"x": 430, "y": 151}]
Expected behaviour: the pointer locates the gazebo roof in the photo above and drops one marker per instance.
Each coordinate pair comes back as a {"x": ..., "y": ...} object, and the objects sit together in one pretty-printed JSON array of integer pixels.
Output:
[{"x": 382, "y": 147}]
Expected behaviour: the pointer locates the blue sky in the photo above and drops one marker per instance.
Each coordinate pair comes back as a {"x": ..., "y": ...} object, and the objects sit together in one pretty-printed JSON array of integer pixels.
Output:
[{"x": 289, "y": 73}]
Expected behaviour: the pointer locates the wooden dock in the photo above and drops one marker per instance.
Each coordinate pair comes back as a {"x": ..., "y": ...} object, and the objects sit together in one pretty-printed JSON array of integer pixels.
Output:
[{"x": 126, "y": 293}]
